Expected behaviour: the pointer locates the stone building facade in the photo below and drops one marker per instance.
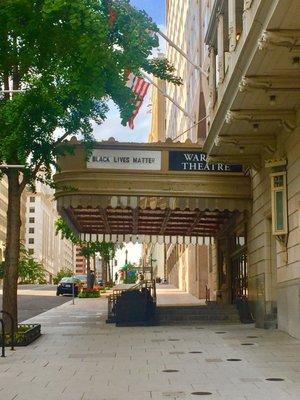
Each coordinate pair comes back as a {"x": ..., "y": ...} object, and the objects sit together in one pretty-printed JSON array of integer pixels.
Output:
[
  {"x": 186, "y": 266},
  {"x": 250, "y": 94},
  {"x": 252, "y": 102},
  {"x": 53, "y": 252}
]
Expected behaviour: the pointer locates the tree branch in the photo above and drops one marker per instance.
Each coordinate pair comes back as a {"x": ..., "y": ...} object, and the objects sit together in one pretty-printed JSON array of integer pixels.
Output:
[
  {"x": 6, "y": 86},
  {"x": 25, "y": 180}
]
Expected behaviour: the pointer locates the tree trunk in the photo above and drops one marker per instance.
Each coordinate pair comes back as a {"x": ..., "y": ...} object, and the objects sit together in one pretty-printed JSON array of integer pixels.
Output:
[
  {"x": 89, "y": 274},
  {"x": 12, "y": 251},
  {"x": 104, "y": 270},
  {"x": 108, "y": 272}
]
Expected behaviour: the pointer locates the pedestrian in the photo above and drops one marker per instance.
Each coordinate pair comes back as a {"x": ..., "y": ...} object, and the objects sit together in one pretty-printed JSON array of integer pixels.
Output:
[{"x": 116, "y": 277}]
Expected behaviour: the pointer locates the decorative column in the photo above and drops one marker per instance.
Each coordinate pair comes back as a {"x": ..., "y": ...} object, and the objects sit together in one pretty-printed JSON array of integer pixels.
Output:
[
  {"x": 221, "y": 58},
  {"x": 232, "y": 24},
  {"x": 212, "y": 77}
]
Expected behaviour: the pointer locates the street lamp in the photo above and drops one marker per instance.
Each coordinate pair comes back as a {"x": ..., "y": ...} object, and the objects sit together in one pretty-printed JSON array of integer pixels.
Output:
[{"x": 126, "y": 256}]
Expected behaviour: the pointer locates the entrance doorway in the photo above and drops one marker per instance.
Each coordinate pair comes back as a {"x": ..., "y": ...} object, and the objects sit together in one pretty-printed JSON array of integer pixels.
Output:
[{"x": 239, "y": 276}]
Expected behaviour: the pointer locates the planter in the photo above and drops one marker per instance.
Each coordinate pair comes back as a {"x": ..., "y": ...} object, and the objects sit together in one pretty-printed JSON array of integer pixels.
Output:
[
  {"x": 89, "y": 294},
  {"x": 27, "y": 333}
]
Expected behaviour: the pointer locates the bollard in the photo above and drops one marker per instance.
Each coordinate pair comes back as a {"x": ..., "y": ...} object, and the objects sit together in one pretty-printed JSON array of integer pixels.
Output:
[
  {"x": 12, "y": 328},
  {"x": 3, "y": 338}
]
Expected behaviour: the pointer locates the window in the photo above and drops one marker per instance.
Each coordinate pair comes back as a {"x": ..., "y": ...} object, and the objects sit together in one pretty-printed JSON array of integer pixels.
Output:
[
  {"x": 31, "y": 251},
  {"x": 31, "y": 209},
  {"x": 31, "y": 220},
  {"x": 32, "y": 199},
  {"x": 31, "y": 240},
  {"x": 31, "y": 230},
  {"x": 279, "y": 203}
]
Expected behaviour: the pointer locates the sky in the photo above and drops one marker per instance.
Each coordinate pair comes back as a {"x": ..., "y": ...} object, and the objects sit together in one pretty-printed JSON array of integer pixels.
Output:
[
  {"x": 154, "y": 8},
  {"x": 112, "y": 126}
]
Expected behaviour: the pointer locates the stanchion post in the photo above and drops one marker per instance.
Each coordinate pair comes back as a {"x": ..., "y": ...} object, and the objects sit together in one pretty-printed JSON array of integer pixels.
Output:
[
  {"x": 3, "y": 338},
  {"x": 73, "y": 293}
]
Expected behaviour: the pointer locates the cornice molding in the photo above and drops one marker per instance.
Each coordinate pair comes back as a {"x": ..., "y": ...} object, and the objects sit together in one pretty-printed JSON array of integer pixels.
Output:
[
  {"x": 286, "y": 118},
  {"x": 271, "y": 39},
  {"x": 275, "y": 83}
]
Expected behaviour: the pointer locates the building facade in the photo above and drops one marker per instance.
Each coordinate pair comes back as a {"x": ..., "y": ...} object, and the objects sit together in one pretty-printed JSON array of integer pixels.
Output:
[
  {"x": 186, "y": 266},
  {"x": 53, "y": 252},
  {"x": 252, "y": 102},
  {"x": 184, "y": 29},
  {"x": 80, "y": 262},
  {"x": 249, "y": 91},
  {"x": 158, "y": 110}
]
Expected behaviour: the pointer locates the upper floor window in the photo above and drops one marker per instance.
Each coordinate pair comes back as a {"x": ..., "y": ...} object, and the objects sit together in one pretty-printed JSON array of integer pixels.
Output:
[
  {"x": 31, "y": 220},
  {"x": 31, "y": 240},
  {"x": 32, "y": 199},
  {"x": 31, "y": 209}
]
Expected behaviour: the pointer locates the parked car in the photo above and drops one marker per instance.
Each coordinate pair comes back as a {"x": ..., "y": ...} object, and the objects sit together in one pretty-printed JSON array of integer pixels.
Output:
[
  {"x": 65, "y": 286},
  {"x": 82, "y": 278}
]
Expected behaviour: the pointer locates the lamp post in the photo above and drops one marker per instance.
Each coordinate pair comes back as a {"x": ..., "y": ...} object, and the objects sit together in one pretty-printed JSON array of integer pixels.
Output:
[{"x": 126, "y": 256}]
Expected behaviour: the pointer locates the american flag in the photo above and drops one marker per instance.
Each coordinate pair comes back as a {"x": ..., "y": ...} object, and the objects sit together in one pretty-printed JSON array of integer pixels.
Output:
[{"x": 140, "y": 87}]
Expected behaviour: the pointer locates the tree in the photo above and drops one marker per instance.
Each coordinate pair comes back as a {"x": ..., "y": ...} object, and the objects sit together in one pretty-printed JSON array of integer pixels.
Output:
[
  {"x": 29, "y": 270},
  {"x": 63, "y": 273},
  {"x": 107, "y": 252},
  {"x": 70, "y": 58}
]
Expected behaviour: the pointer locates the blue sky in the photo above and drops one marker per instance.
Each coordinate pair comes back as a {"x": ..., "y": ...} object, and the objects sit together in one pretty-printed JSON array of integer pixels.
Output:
[
  {"x": 154, "y": 8},
  {"x": 112, "y": 126}
]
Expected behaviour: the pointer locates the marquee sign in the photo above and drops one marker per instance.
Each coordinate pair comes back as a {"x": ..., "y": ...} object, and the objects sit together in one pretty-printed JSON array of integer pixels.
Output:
[
  {"x": 192, "y": 161},
  {"x": 125, "y": 159}
]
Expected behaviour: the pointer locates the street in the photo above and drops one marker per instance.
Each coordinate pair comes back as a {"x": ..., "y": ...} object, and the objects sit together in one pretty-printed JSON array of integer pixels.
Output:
[{"x": 36, "y": 299}]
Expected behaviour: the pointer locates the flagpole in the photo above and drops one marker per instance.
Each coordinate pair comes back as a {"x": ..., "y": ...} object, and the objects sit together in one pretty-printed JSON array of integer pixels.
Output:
[
  {"x": 169, "y": 98},
  {"x": 191, "y": 127},
  {"x": 12, "y": 91},
  {"x": 171, "y": 43}
]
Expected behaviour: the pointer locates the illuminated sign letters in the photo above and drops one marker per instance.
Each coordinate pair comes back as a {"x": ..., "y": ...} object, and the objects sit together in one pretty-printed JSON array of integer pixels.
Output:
[{"x": 196, "y": 162}]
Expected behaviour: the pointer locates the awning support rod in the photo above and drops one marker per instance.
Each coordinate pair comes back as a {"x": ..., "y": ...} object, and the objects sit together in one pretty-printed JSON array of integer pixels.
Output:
[
  {"x": 172, "y": 44},
  {"x": 169, "y": 98}
]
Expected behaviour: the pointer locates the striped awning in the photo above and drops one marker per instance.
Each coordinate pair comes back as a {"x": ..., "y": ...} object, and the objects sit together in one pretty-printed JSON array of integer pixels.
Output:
[{"x": 162, "y": 220}]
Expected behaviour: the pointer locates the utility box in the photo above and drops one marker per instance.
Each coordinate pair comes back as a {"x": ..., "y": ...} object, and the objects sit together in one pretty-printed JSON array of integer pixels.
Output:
[{"x": 135, "y": 308}]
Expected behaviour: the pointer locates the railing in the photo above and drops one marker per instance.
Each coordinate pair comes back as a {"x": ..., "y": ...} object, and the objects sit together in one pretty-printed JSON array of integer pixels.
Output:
[
  {"x": 12, "y": 324},
  {"x": 112, "y": 299}
]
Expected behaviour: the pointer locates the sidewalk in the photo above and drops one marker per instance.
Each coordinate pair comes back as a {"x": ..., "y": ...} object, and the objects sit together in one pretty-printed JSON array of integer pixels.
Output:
[
  {"x": 79, "y": 357},
  {"x": 169, "y": 295}
]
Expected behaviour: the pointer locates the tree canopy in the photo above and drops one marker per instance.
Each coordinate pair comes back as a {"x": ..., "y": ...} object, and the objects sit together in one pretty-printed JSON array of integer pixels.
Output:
[
  {"x": 107, "y": 250},
  {"x": 64, "y": 60},
  {"x": 70, "y": 57}
]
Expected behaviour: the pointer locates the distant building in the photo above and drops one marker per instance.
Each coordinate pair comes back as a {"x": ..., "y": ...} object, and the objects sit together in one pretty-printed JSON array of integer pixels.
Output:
[
  {"x": 184, "y": 29},
  {"x": 185, "y": 266},
  {"x": 40, "y": 237},
  {"x": 158, "y": 120},
  {"x": 80, "y": 263}
]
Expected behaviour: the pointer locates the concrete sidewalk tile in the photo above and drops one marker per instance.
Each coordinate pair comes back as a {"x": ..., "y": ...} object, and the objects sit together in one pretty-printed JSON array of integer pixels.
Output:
[{"x": 79, "y": 357}]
